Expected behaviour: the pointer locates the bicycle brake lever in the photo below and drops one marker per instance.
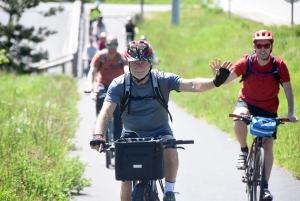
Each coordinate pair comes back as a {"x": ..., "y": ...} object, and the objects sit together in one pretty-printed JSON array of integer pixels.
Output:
[{"x": 180, "y": 148}]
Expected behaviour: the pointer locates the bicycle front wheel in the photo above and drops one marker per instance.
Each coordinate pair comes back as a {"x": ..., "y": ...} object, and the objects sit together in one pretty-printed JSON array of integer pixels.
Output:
[
  {"x": 248, "y": 175},
  {"x": 259, "y": 175},
  {"x": 141, "y": 192}
]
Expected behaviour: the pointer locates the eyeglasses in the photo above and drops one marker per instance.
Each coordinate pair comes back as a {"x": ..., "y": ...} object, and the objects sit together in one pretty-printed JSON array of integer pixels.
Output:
[
  {"x": 260, "y": 46},
  {"x": 112, "y": 44}
]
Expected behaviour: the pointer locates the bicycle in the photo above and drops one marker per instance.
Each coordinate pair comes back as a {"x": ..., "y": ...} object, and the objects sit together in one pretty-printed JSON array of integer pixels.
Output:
[
  {"x": 254, "y": 174},
  {"x": 109, "y": 137},
  {"x": 129, "y": 37},
  {"x": 144, "y": 187}
]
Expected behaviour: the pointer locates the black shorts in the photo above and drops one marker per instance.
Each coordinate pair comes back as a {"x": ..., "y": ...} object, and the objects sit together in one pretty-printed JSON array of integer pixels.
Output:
[{"x": 256, "y": 111}]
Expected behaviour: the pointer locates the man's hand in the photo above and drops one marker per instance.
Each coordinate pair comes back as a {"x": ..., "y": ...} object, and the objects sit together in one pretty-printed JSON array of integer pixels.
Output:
[
  {"x": 292, "y": 118},
  {"x": 88, "y": 90},
  {"x": 97, "y": 142},
  {"x": 221, "y": 72}
]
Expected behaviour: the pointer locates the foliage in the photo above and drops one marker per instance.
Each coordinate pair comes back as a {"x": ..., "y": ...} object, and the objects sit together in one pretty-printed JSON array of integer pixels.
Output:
[
  {"x": 206, "y": 33},
  {"x": 37, "y": 121},
  {"x": 19, "y": 41},
  {"x": 3, "y": 57}
]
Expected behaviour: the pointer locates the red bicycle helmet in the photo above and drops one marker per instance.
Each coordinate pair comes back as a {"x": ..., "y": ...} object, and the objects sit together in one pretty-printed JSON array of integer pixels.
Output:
[
  {"x": 138, "y": 51},
  {"x": 263, "y": 35}
]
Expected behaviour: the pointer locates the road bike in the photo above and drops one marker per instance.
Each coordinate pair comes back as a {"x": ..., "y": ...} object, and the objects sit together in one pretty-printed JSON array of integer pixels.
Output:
[
  {"x": 254, "y": 174},
  {"x": 144, "y": 181},
  {"x": 109, "y": 137}
]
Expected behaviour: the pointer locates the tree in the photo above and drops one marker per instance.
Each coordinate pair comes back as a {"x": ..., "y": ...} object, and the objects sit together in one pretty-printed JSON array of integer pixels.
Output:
[
  {"x": 3, "y": 57},
  {"x": 18, "y": 40}
]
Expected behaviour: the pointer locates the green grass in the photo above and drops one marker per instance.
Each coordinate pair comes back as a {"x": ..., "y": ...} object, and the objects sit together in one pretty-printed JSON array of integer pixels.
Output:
[
  {"x": 205, "y": 34},
  {"x": 38, "y": 116}
]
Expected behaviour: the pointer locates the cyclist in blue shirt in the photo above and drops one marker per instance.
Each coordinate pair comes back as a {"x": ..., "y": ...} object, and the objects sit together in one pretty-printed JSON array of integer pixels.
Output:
[{"x": 147, "y": 116}]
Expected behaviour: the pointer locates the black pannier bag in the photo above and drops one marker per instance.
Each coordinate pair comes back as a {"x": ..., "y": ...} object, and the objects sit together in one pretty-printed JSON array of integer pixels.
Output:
[{"x": 139, "y": 160}]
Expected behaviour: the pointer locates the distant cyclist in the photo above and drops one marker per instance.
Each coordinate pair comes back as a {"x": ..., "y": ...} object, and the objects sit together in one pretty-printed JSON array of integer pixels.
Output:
[
  {"x": 98, "y": 27},
  {"x": 259, "y": 95},
  {"x": 101, "y": 41},
  {"x": 93, "y": 15},
  {"x": 111, "y": 68},
  {"x": 88, "y": 53},
  {"x": 144, "y": 113},
  {"x": 130, "y": 30},
  {"x": 155, "y": 59}
]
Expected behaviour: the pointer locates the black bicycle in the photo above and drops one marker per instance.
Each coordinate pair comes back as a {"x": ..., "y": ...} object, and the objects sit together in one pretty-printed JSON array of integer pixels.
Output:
[
  {"x": 109, "y": 137},
  {"x": 141, "y": 161},
  {"x": 254, "y": 174}
]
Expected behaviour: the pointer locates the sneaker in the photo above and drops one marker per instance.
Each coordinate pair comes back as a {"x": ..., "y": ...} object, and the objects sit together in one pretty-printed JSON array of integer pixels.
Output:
[
  {"x": 267, "y": 195},
  {"x": 241, "y": 161},
  {"x": 169, "y": 196}
]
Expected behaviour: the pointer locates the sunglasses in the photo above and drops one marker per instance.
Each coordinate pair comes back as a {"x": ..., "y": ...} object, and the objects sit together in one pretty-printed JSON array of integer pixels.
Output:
[
  {"x": 266, "y": 46},
  {"x": 112, "y": 44}
]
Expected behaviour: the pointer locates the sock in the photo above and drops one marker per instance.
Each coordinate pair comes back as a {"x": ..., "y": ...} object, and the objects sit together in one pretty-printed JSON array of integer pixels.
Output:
[
  {"x": 245, "y": 149},
  {"x": 169, "y": 186},
  {"x": 266, "y": 185}
]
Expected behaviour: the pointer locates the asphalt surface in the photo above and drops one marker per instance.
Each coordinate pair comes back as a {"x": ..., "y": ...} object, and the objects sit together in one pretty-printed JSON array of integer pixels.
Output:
[{"x": 207, "y": 168}]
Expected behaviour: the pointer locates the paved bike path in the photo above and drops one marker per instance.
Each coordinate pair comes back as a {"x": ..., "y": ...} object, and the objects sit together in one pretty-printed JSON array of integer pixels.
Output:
[{"x": 207, "y": 168}]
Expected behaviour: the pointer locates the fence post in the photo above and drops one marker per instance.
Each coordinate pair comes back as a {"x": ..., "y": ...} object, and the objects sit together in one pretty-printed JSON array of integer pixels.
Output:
[{"x": 63, "y": 68}]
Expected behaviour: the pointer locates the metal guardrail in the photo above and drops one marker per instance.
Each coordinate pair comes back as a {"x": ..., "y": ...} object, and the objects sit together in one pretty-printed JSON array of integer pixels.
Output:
[{"x": 71, "y": 57}]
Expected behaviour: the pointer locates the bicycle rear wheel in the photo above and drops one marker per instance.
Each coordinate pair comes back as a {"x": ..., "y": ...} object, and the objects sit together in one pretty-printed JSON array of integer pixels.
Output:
[
  {"x": 141, "y": 192},
  {"x": 259, "y": 175}
]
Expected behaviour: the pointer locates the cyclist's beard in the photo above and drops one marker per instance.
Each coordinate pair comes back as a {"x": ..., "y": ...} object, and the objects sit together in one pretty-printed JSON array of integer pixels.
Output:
[{"x": 112, "y": 51}]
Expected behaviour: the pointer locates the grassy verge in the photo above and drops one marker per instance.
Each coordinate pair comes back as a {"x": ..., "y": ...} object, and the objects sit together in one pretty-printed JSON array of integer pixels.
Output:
[
  {"x": 204, "y": 34},
  {"x": 38, "y": 116}
]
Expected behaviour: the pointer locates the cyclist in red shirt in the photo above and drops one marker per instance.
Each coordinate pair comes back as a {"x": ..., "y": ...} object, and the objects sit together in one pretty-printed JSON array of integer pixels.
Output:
[{"x": 259, "y": 95}]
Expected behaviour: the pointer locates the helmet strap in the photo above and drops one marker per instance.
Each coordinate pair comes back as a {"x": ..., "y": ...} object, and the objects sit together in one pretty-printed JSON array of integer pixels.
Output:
[{"x": 139, "y": 80}]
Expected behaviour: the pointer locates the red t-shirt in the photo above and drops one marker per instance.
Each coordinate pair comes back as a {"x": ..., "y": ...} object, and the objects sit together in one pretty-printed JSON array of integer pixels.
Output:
[
  {"x": 261, "y": 91},
  {"x": 110, "y": 68}
]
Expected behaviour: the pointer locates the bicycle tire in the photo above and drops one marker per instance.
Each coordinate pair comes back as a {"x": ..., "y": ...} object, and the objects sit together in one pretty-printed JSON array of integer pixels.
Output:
[
  {"x": 109, "y": 137},
  {"x": 249, "y": 173},
  {"x": 141, "y": 192},
  {"x": 259, "y": 175},
  {"x": 107, "y": 153}
]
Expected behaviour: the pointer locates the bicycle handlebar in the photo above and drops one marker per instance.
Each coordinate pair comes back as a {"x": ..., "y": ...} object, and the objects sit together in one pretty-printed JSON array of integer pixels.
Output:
[
  {"x": 248, "y": 118},
  {"x": 171, "y": 143},
  {"x": 174, "y": 141}
]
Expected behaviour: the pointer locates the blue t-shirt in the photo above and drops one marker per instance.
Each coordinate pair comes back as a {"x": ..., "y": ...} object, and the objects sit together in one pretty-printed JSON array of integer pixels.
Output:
[{"x": 147, "y": 117}]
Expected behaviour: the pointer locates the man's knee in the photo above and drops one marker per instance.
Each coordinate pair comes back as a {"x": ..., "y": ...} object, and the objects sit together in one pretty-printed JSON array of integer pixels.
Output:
[{"x": 171, "y": 156}]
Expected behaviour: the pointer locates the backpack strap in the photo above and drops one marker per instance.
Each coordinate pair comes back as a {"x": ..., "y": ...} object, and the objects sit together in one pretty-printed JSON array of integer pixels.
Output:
[
  {"x": 127, "y": 93},
  {"x": 248, "y": 71},
  {"x": 157, "y": 92},
  {"x": 103, "y": 59},
  {"x": 274, "y": 68},
  {"x": 120, "y": 61}
]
